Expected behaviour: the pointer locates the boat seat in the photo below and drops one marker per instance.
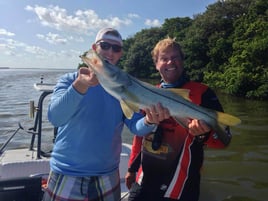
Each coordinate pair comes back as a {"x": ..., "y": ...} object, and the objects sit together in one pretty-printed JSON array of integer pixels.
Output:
[{"x": 21, "y": 189}]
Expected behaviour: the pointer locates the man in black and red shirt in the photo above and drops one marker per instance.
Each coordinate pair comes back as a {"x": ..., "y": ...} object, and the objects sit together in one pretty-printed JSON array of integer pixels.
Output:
[{"x": 169, "y": 160}]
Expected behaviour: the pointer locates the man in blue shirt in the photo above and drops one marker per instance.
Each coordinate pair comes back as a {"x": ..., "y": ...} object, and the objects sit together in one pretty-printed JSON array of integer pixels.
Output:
[{"x": 86, "y": 155}]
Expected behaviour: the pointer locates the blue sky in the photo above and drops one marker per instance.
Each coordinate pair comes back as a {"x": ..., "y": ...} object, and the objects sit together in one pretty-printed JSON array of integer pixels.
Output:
[{"x": 53, "y": 33}]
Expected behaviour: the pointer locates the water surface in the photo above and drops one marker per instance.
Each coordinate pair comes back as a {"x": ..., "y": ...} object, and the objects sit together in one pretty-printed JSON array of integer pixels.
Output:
[{"x": 237, "y": 173}]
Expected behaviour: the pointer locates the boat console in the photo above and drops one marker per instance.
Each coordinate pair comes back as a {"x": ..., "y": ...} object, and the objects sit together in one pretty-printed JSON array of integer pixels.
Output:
[{"x": 21, "y": 189}]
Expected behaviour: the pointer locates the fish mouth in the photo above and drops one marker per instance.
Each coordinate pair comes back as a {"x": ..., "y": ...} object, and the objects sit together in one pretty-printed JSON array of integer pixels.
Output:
[
  {"x": 92, "y": 60},
  {"x": 108, "y": 60}
]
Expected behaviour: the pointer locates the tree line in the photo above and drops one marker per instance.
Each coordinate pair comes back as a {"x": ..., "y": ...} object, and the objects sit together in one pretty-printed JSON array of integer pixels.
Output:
[{"x": 225, "y": 47}]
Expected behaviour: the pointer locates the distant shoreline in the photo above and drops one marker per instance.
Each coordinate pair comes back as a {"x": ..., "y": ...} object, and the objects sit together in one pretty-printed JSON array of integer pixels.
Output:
[{"x": 9, "y": 68}]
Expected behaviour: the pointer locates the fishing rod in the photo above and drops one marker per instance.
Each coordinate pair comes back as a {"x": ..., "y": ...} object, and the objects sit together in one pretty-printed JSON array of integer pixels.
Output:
[{"x": 6, "y": 143}]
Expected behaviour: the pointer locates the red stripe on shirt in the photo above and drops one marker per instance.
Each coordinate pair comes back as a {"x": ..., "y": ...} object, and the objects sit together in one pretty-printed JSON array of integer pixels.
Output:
[{"x": 176, "y": 186}]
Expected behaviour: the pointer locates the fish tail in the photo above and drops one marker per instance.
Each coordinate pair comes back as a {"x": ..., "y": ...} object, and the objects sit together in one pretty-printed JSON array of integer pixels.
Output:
[{"x": 227, "y": 119}]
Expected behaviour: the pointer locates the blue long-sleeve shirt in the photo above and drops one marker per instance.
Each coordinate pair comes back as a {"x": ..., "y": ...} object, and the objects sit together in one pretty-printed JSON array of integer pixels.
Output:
[{"x": 88, "y": 142}]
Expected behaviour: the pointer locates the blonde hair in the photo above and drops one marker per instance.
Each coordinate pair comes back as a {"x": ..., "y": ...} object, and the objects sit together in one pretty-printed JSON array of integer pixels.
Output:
[{"x": 163, "y": 45}]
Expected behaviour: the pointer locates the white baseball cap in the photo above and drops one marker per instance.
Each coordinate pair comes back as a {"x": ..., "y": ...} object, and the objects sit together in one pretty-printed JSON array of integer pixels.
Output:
[{"x": 109, "y": 33}]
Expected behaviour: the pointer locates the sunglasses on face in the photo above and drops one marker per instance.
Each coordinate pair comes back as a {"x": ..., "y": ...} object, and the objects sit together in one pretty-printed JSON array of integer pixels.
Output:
[{"x": 107, "y": 46}]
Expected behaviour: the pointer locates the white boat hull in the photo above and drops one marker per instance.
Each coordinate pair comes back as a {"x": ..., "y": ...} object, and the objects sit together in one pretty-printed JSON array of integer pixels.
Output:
[{"x": 22, "y": 162}]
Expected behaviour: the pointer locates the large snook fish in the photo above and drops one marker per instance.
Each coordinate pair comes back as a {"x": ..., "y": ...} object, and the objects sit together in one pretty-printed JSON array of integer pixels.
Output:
[{"x": 134, "y": 95}]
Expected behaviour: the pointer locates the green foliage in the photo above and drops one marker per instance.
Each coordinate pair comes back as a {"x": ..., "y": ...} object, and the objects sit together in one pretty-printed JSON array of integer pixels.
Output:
[
  {"x": 82, "y": 64},
  {"x": 226, "y": 47},
  {"x": 137, "y": 58},
  {"x": 175, "y": 27},
  {"x": 248, "y": 63},
  {"x": 137, "y": 53}
]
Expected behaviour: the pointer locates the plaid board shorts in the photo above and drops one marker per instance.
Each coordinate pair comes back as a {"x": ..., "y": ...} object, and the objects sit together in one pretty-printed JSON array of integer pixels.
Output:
[{"x": 69, "y": 188}]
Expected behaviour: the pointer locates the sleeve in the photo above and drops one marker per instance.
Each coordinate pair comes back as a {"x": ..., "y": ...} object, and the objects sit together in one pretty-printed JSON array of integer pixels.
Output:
[
  {"x": 210, "y": 100},
  {"x": 135, "y": 155},
  {"x": 137, "y": 124},
  {"x": 64, "y": 101}
]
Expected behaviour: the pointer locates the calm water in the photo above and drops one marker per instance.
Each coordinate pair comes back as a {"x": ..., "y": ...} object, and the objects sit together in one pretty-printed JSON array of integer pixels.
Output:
[{"x": 238, "y": 173}]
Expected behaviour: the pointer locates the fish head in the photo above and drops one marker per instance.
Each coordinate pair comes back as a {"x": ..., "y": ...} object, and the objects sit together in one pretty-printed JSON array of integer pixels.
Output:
[
  {"x": 94, "y": 62},
  {"x": 108, "y": 74}
]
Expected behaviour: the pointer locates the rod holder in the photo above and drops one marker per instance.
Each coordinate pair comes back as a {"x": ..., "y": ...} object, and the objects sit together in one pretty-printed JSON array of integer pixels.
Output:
[{"x": 32, "y": 109}]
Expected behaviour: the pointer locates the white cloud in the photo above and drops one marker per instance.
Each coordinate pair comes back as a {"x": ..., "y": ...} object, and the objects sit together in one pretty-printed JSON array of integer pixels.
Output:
[
  {"x": 76, "y": 39},
  {"x": 56, "y": 39},
  {"x": 81, "y": 22},
  {"x": 13, "y": 47},
  {"x": 5, "y": 49},
  {"x": 21, "y": 54},
  {"x": 133, "y": 15},
  {"x": 13, "y": 43},
  {"x": 38, "y": 51},
  {"x": 152, "y": 23},
  {"x": 6, "y": 33},
  {"x": 52, "y": 38}
]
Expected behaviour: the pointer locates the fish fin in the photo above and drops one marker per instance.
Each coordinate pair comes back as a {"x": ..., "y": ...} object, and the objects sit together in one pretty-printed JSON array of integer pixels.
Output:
[
  {"x": 132, "y": 105},
  {"x": 227, "y": 119},
  {"x": 181, "y": 92},
  {"x": 182, "y": 121},
  {"x": 128, "y": 108}
]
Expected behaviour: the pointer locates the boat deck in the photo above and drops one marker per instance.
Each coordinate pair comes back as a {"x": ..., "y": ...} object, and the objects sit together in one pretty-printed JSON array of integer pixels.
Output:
[{"x": 22, "y": 162}]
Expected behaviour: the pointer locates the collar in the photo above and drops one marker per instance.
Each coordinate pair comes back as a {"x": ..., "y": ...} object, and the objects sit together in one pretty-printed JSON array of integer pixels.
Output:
[{"x": 179, "y": 83}]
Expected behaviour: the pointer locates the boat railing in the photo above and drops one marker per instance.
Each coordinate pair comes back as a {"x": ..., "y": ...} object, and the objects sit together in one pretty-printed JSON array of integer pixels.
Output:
[{"x": 36, "y": 130}]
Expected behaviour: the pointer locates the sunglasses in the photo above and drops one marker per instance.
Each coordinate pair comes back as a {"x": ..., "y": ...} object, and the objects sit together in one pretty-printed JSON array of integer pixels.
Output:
[{"x": 107, "y": 46}]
